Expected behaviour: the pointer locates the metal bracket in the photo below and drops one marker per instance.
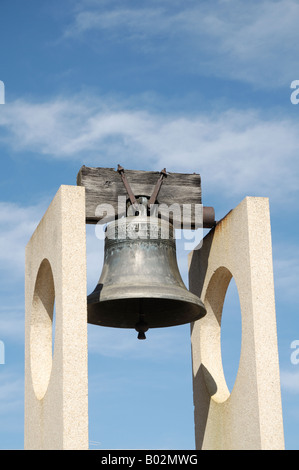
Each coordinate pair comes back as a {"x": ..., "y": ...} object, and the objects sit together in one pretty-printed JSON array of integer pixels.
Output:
[
  {"x": 155, "y": 193},
  {"x": 133, "y": 199}
]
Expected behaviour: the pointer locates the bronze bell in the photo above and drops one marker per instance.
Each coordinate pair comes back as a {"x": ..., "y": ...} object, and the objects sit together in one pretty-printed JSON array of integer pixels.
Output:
[{"x": 140, "y": 286}]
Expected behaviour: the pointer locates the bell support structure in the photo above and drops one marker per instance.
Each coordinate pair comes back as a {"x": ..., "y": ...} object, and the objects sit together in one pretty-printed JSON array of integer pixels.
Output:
[{"x": 56, "y": 369}]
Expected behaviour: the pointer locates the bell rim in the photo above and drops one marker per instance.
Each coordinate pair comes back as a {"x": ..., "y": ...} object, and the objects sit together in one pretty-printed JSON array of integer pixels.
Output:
[{"x": 188, "y": 302}]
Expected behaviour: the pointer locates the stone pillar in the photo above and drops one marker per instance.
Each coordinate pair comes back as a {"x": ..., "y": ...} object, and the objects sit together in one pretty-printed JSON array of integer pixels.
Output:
[
  {"x": 56, "y": 386},
  {"x": 250, "y": 417}
]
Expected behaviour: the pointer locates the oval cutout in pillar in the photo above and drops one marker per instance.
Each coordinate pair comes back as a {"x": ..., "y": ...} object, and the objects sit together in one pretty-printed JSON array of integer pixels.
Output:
[
  {"x": 231, "y": 334},
  {"x": 212, "y": 332},
  {"x": 41, "y": 329}
]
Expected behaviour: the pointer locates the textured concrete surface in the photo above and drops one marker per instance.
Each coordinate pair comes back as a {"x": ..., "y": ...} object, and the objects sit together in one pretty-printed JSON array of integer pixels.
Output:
[
  {"x": 56, "y": 383},
  {"x": 250, "y": 417}
]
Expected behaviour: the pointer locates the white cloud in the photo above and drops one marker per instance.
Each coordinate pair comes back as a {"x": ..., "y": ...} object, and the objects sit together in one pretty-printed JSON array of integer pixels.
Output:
[
  {"x": 135, "y": 20},
  {"x": 36, "y": 126},
  {"x": 249, "y": 41},
  {"x": 237, "y": 152}
]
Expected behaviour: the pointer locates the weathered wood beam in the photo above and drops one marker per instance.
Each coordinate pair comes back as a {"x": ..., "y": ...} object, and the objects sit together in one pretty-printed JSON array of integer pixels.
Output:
[{"x": 105, "y": 185}]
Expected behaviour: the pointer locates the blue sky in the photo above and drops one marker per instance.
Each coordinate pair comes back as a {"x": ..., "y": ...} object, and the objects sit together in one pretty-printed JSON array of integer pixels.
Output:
[{"x": 193, "y": 86}]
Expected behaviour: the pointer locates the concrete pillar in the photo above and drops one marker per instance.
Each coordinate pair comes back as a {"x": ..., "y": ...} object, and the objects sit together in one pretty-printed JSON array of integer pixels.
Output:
[
  {"x": 56, "y": 386},
  {"x": 250, "y": 417}
]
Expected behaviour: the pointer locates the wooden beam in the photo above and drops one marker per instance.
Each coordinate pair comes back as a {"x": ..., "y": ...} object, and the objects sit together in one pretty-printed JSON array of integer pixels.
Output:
[{"x": 105, "y": 185}]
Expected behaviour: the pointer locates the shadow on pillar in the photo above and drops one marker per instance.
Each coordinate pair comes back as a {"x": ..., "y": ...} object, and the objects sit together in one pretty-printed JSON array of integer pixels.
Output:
[
  {"x": 199, "y": 264},
  {"x": 202, "y": 402}
]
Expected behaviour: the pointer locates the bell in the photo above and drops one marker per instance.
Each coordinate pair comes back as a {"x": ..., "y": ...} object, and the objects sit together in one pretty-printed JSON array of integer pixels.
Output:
[{"x": 140, "y": 285}]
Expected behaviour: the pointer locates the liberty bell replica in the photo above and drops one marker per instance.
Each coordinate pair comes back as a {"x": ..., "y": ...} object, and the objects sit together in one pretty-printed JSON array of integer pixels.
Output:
[{"x": 140, "y": 286}]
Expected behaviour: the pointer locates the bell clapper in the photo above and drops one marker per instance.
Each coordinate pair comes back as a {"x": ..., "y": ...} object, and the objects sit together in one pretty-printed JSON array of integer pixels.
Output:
[{"x": 141, "y": 326}]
